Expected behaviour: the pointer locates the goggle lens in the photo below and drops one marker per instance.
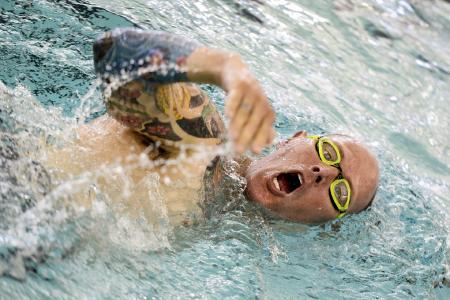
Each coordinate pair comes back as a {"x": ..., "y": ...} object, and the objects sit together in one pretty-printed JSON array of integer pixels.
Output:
[
  {"x": 328, "y": 152},
  {"x": 340, "y": 192}
]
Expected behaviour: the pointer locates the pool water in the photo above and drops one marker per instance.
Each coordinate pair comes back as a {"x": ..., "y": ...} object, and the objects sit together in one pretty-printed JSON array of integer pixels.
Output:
[{"x": 376, "y": 69}]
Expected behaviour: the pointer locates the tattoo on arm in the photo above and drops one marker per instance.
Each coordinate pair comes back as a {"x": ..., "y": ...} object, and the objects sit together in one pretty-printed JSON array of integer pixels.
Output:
[
  {"x": 133, "y": 53},
  {"x": 143, "y": 73},
  {"x": 170, "y": 113}
]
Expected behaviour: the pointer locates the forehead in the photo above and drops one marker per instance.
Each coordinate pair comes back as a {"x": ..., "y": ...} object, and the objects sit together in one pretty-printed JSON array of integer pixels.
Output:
[{"x": 354, "y": 154}]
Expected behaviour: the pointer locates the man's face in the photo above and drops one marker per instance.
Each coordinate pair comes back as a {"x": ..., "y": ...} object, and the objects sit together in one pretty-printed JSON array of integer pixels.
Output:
[{"x": 294, "y": 183}]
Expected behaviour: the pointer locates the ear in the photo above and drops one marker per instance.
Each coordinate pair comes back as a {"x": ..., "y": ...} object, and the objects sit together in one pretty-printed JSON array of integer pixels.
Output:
[{"x": 301, "y": 133}]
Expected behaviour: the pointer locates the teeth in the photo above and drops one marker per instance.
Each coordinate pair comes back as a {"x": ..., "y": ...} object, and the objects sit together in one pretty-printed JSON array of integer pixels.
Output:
[
  {"x": 300, "y": 179},
  {"x": 275, "y": 182}
]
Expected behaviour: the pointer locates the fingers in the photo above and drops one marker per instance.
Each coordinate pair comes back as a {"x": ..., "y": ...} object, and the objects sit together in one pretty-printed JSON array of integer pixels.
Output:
[
  {"x": 233, "y": 101},
  {"x": 242, "y": 116},
  {"x": 251, "y": 127},
  {"x": 264, "y": 136},
  {"x": 257, "y": 130},
  {"x": 251, "y": 116}
]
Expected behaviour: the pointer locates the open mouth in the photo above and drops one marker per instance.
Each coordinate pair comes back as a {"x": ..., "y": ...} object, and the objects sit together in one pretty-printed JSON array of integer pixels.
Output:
[{"x": 287, "y": 182}]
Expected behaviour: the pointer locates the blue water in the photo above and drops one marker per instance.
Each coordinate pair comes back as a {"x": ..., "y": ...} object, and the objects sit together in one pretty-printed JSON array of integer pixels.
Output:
[{"x": 378, "y": 70}]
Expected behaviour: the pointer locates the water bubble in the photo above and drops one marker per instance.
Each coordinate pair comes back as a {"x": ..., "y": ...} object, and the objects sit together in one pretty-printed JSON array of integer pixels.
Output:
[
  {"x": 393, "y": 99},
  {"x": 432, "y": 141},
  {"x": 432, "y": 119}
]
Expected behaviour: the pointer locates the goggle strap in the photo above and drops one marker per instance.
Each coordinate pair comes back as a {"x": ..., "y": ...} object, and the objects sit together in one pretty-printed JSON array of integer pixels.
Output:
[{"x": 340, "y": 215}]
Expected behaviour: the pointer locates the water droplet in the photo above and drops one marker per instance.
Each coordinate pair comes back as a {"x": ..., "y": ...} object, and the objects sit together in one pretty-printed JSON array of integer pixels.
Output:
[{"x": 393, "y": 99}]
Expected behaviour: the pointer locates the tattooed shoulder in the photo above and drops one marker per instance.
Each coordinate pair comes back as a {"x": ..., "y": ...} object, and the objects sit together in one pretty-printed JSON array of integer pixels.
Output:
[
  {"x": 143, "y": 82},
  {"x": 172, "y": 114}
]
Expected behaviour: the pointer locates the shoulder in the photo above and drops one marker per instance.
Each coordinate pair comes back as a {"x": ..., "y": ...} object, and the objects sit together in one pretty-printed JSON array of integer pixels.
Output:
[{"x": 171, "y": 114}]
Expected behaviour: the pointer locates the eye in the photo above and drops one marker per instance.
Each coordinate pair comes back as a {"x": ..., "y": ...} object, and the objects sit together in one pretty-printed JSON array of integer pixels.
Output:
[
  {"x": 327, "y": 155},
  {"x": 341, "y": 192},
  {"x": 329, "y": 152}
]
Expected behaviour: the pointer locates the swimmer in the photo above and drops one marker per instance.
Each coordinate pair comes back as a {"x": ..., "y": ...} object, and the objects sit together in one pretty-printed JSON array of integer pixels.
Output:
[{"x": 148, "y": 80}]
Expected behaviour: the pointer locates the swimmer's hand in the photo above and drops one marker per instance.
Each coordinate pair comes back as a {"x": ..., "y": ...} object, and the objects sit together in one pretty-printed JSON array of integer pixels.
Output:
[{"x": 251, "y": 115}]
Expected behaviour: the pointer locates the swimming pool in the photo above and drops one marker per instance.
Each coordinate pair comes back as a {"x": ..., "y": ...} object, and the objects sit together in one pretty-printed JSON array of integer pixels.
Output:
[{"x": 379, "y": 70}]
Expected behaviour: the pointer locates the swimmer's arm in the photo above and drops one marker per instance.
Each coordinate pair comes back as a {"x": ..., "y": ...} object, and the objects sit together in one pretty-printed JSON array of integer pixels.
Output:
[
  {"x": 168, "y": 58},
  {"x": 246, "y": 105}
]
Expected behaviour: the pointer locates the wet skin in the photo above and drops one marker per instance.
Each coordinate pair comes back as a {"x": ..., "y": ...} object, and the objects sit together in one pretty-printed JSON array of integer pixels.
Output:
[{"x": 310, "y": 201}]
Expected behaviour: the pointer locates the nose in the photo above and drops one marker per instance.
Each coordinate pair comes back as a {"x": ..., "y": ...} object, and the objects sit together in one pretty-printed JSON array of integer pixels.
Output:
[{"x": 323, "y": 173}]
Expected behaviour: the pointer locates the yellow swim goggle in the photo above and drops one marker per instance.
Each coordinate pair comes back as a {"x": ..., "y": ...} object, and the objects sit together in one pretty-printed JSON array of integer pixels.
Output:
[{"x": 340, "y": 191}]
